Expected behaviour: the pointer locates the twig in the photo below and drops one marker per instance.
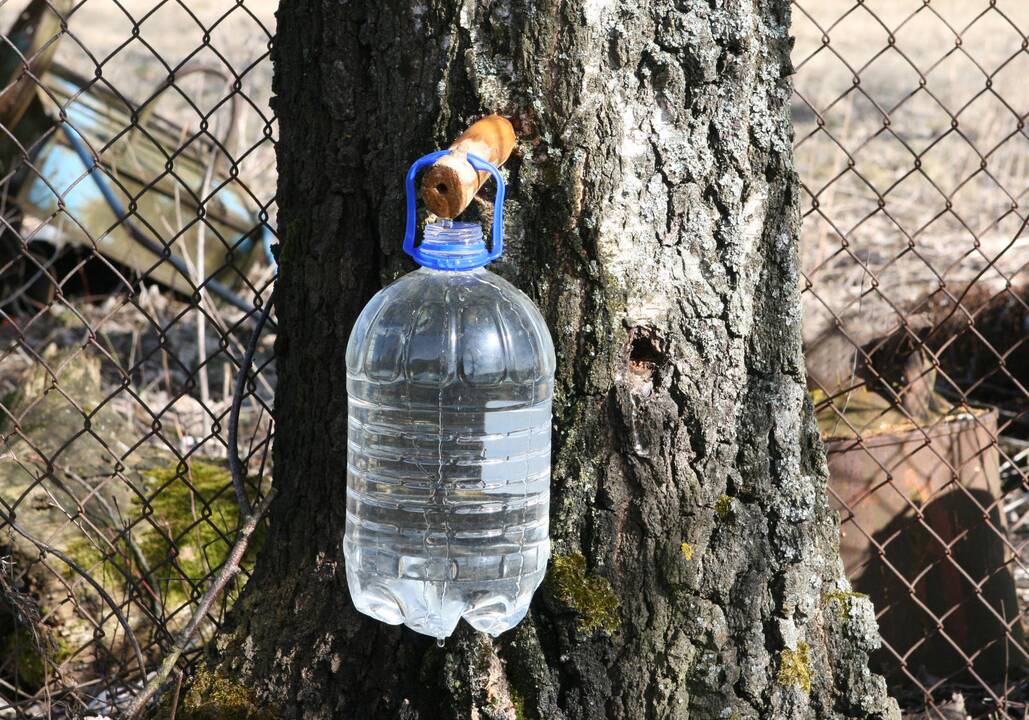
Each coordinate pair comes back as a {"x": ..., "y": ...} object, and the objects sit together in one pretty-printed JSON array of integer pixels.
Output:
[
  {"x": 175, "y": 697},
  {"x": 201, "y": 276}
]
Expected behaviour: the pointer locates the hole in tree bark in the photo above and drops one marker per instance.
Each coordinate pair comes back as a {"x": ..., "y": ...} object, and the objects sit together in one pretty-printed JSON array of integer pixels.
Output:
[{"x": 645, "y": 351}]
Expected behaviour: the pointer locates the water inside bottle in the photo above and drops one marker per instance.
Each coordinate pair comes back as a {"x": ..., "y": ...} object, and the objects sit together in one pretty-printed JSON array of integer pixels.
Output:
[{"x": 450, "y": 377}]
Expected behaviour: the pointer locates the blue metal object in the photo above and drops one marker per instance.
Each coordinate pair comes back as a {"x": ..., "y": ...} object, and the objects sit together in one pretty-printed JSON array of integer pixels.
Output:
[
  {"x": 161, "y": 251},
  {"x": 455, "y": 246},
  {"x": 115, "y": 214}
]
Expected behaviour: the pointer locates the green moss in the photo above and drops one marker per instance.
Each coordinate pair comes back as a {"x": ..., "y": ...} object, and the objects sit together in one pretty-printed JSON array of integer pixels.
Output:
[
  {"x": 842, "y": 600},
  {"x": 26, "y": 658},
  {"x": 193, "y": 522},
  {"x": 795, "y": 667},
  {"x": 687, "y": 551},
  {"x": 212, "y": 696},
  {"x": 518, "y": 703},
  {"x": 26, "y": 654},
  {"x": 198, "y": 513},
  {"x": 65, "y": 316},
  {"x": 590, "y": 596},
  {"x": 723, "y": 508},
  {"x": 107, "y": 572}
]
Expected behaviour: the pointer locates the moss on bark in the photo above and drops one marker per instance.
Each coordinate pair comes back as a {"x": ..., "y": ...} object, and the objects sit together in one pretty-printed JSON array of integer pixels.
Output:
[
  {"x": 795, "y": 667},
  {"x": 212, "y": 696},
  {"x": 590, "y": 596}
]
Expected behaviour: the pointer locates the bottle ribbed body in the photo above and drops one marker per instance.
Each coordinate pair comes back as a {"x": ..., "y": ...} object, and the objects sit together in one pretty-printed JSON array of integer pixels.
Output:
[{"x": 450, "y": 379}]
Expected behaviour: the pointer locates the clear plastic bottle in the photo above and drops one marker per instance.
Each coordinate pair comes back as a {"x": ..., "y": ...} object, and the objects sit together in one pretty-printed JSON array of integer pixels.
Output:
[{"x": 450, "y": 374}]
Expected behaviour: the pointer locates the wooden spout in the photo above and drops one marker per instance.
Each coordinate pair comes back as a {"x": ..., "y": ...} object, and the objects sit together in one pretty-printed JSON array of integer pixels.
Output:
[{"x": 450, "y": 184}]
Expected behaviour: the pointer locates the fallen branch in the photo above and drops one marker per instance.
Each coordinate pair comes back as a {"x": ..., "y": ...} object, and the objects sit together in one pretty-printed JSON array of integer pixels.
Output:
[{"x": 228, "y": 571}]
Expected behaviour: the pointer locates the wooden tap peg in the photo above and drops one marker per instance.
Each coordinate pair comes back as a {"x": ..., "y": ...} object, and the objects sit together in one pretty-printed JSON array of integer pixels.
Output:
[{"x": 450, "y": 184}]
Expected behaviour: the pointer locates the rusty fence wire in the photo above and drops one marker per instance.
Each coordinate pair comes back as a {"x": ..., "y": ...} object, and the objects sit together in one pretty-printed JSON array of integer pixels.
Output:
[
  {"x": 911, "y": 145},
  {"x": 136, "y": 225}
]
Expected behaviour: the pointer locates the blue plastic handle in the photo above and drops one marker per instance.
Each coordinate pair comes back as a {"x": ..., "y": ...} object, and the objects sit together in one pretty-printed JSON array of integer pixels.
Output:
[{"x": 497, "y": 243}]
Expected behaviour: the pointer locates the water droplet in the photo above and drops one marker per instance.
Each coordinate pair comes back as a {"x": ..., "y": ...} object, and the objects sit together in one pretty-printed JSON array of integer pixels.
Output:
[{"x": 440, "y": 642}]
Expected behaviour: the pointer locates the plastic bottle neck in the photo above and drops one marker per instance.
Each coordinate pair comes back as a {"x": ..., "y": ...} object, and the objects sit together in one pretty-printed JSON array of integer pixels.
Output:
[{"x": 449, "y": 245}]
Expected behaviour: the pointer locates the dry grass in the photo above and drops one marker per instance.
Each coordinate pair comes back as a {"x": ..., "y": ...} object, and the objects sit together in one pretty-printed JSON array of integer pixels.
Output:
[{"x": 913, "y": 173}]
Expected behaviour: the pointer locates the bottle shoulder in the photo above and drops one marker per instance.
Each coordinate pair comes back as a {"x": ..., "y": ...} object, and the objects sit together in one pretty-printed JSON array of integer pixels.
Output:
[{"x": 438, "y": 326}]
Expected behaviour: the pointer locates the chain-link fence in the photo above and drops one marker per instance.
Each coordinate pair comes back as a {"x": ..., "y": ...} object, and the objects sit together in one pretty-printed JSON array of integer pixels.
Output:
[
  {"x": 136, "y": 220},
  {"x": 913, "y": 153},
  {"x": 136, "y": 216}
]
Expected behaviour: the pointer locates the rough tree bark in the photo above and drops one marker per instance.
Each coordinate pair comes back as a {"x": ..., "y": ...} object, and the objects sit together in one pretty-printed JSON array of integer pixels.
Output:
[{"x": 653, "y": 217}]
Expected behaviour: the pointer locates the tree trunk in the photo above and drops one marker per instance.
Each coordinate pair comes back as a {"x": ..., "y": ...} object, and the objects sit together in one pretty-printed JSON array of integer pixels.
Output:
[{"x": 653, "y": 217}]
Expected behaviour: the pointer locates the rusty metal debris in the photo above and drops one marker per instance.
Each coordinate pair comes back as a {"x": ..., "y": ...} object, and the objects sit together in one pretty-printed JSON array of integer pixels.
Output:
[{"x": 129, "y": 184}]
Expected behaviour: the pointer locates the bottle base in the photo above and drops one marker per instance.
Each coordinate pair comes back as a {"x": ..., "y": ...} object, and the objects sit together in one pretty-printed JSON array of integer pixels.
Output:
[{"x": 434, "y": 608}]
